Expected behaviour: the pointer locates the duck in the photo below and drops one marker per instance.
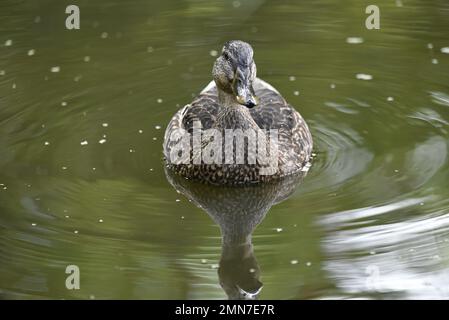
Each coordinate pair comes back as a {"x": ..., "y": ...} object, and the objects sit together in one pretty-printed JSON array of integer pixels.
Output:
[{"x": 237, "y": 102}]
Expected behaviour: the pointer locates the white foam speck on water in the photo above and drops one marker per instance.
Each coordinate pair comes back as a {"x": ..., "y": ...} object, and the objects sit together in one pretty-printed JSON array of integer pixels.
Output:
[
  {"x": 2, "y": 72},
  {"x": 55, "y": 69},
  {"x": 364, "y": 76},
  {"x": 177, "y": 200},
  {"x": 100, "y": 220},
  {"x": 64, "y": 168},
  {"x": 86, "y": 59},
  {"x": 157, "y": 127},
  {"x": 296, "y": 93},
  {"x": 354, "y": 40},
  {"x": 46, "y": 143},
  {"x": 182, "y": 217},
  {"x": 434, "y": 61},
  {"x": 430, "y": 46},
  {"x": 154, "y": 138},
  {"x": 213, "y": 53},
  {"x": 33, "y": 224},
  {"x": 131, "y": 150},
  {"x": 332, "y": 86},
  {"x": 150, "y": 49},
  {"x": 214, "y": 266},
  {"x": 104, "y": 35},
  {"x": 151, "y": 169},
  {"x": 104, "y": 136},
  {"x": 445, "y": 50},
  {"x": 14, "y": 86},
  {"x": 294, "y": 262},
  {"x": 8, "y": 43},
  {"x": 37, "y": 19},
  {"x": 102, "y": 141},
  {"x": 390, "y": 99},
  {"x": 31, "y": 52},
  {"x": 292, "y": 78},
  {"x": 84, "y": 143},
  {"x": 140, "y": 131},
  {"x": 159, "y": 100},
  {"x": 94, "y": 169},
  {"x": 398, "y": 3},
  {"x": 278, "y": 229},
  {"x": 252, "y": 270},
  {"x": 76, "y": 231},
  {"x": 372, "y": 252},
  {"x": 236, "y": 4},
  {"x": 105, "y": 124},
  {"x": 63, "y": 103},
  {"x": 203, "y": 261},
  {"x": 308, "y": 264},
  {"x": 77, "y": 78}
]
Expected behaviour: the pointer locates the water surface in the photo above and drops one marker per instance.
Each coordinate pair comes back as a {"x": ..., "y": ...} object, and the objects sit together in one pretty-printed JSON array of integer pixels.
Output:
[{"x": 82, "y": 116}]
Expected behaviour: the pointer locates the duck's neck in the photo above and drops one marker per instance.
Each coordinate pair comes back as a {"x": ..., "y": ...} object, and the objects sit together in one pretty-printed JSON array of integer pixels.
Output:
[
  {"x": 233, "y": 115},
  {"x": 237, "y": 251}
]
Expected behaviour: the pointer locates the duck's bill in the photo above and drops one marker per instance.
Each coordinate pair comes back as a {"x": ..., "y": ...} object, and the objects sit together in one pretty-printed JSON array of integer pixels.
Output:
[
  {"x": 243, "y": 89},
  {"x": 245, "y": 94},
  {"x": 248, "y": 100}
]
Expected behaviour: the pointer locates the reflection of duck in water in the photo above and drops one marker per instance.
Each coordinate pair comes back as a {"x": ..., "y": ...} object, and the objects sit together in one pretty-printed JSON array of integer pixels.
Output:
[
  {"x": 237, "y": 211},
  {"x": 229, "y": 102}
]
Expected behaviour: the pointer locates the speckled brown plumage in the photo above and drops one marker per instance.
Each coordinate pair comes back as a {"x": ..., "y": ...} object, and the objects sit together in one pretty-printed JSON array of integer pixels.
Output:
[{"x": 272, "y": 112}]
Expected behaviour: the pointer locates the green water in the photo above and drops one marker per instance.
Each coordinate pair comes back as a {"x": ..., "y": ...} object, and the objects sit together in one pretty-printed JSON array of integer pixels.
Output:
[{"x": 370, "y": 220}]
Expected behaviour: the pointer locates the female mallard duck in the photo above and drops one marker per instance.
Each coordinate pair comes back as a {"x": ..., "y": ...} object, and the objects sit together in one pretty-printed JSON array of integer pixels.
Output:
[{"x": 237, "y": 102}]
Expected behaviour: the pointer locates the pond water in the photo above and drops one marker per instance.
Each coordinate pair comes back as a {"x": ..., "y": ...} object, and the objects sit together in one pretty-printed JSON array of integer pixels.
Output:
[{"x": 82, "y": 181}]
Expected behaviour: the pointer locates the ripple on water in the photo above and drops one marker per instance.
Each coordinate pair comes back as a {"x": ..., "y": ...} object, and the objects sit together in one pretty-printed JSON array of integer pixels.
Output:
[
  {"x": 345, "y": 155},
  {"x": 407, "y": 263},
  {"x": 426, "y": 160},
  {"x": 440, "y": 98}
]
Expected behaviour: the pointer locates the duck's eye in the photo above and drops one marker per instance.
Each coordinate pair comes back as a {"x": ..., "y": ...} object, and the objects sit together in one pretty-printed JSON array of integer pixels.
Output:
[{"x": 225, "y": 55}]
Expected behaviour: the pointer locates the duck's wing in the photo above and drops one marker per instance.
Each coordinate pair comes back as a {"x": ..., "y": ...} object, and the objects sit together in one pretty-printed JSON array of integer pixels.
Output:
[
  {"x": 273, "y": 112},
  {"x": 203, "y": 109}
]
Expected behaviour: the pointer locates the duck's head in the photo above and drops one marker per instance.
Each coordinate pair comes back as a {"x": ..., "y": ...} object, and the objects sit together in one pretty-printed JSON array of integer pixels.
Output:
[{"x": 234, "y": 72}]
